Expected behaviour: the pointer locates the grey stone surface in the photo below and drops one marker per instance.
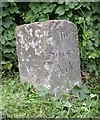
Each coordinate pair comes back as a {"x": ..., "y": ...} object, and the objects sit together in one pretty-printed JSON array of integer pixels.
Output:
[{"x": 48, "y": 55}]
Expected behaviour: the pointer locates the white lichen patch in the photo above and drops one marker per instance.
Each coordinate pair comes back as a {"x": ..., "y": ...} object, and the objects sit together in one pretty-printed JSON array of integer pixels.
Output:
[
  {"x": 77, "y": 83},
  {"x": 67, "y": 90},
  {"x": 32, "y": 44},
  {"x": 26, "y": 47},
  {"x": 31, "y": 34},
  {"x": 46, "y": 33},
  {"x": 46, "y": 66},
  {"x": 23, "y": 59},
  {"x": 37, "y": 52},
  {"x": 27, "y": 69},
  {"x": 38, "y": 44},
  {"x": 39, "y": 41},
  {"x": 37, "y": 33},
  {"x": 27, "y": 59},
  {"x": 40, "y": 47},
  {"x": 21, "y": 36},
  {"x": 26, "y": 29},
  {"x": 49, "y": 41},
  {"x": 48, "y": 86},
  {"x": 39, "y": 25},
  {"x": 41, "y": 36},
  {"x": 30, "y": 55},
  {"x": 17, "y": 42}
]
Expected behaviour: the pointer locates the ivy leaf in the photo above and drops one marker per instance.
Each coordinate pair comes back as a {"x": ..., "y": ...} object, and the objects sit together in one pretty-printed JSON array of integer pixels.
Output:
[
  {"x": 8, "y": 50},
  {"x": 95, "y": 8},
  {"x": 7, "y": 22},
  {"x": 69, "y": 14},
  {"x": 49, "y": 9},
  {"x": 5, "y": 12},
  {"x": 78, "y": 7},
  {"x": 35, "y": 7},
  {"x": 80, "y": 91},
  {"x": 43, "y": 18},
  {"x": 72, "y": 5},
  {"x": 29, "y": 16},
  {"x": 93, "y": 55},
  {"x": 11, "y": 43},
  {"x": 86, "y": 5},
  {"x": 85, "y": 89},
  {"x": 3, "y": 41},
  {"x": 82, "y": 95},
  {"x": 14, "y": 9},
  {"x": 60, "y": 10},
  {"x": 63, "y": 17},
  {"x": 87, "y": 13},
  {"x": 67, "y": 8},
  {"x": 76, "y": 90},
  {"x": 61, "y": 1},
  {"x": 4, "y": 4}
]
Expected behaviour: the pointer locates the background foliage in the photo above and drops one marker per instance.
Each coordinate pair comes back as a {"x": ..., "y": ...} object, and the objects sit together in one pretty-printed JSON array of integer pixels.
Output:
[{"x": 84, "y": 15}]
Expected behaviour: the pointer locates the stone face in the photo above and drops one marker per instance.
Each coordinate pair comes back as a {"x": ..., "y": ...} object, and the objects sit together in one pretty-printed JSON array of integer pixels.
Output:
[{"x": 48, "y": 55}]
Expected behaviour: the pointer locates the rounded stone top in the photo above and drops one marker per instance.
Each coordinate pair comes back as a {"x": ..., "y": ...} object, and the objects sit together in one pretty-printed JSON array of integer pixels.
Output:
[{"x": 40, "y": 24}]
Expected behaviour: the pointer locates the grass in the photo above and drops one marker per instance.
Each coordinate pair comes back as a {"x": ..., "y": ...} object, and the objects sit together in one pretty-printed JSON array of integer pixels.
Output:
[{"x": 22, "y": 101}]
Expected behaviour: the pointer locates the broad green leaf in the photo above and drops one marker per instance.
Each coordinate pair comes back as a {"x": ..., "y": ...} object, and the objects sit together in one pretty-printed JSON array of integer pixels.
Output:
[
  {"x": 95, "y": 7},
  {"x": 9, "y": 66},
  {"x": 7, "y": 50},
  {"x": 7, "y": 24},
  {"x": 63, "y": 17},
  {"x": 2, "y": 41},
  {"x": 84, "y": 43},
  {"x": 49, "y": 8},
  {"x": 67, "y": 8},
  {"x": 76, "y": 90},
  {"x": 5, "y": 4},
  {"x": 78, "y": 7},
  {"x": 5, "y": 12},
  {"x": 87, "y": 13},
  {"x": 93, "y": 55},
  {"x": 69, "y": 14},
  {"x": 86, "y": 5},
  {"x": 71, "y": 5},
  {"x": 14, "y": 9},
  {"x": 45, "y": 5},
  {"x": 61, "y": 1},
  {"x": 85, "y": 89},
  {"x": 43, "y": 18},
  {"x": 82, "y": 95},
  {"x": 60, "y": 10},
  {"x": 35, "y": 7}
]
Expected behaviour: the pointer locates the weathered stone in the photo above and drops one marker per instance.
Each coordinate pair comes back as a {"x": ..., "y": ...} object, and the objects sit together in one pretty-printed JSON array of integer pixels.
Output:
[{"x": 48, "y": 55}]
